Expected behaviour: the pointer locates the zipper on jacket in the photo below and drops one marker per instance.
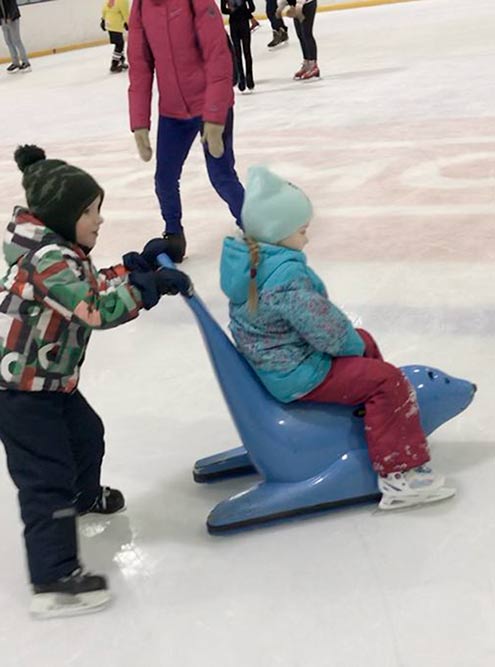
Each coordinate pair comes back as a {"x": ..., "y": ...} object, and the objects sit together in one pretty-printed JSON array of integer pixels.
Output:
[{"x": 186, "y": 106}]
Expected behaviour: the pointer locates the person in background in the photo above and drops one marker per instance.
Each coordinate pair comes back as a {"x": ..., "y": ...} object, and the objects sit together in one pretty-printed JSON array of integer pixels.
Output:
[
  {"x": 10, "y": 19},
  {"x": 114, "y": 18},
  {"x": 185, "y": 45},
  {"x": 279, "y": 29},
  {"x": 240, "y": 13},
  {"x": 303, "y": 12},
  {"x": 51, "y": 300}
]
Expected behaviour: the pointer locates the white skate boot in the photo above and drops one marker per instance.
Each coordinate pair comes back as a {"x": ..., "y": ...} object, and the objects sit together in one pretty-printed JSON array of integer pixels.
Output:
[{"x": 413, "y": 487}]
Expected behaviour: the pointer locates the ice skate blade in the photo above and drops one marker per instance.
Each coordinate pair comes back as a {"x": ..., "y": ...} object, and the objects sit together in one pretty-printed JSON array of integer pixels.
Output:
[
  {"x": 108, "y": 515},
  {"x": 388, "y": 504},
  {"x": 313, "y": 78},
  {"x": 57, "y": 605}
]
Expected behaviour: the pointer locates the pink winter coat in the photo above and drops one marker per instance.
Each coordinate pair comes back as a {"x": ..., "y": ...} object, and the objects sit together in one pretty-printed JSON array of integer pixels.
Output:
[{"x": 185, "y": 42}]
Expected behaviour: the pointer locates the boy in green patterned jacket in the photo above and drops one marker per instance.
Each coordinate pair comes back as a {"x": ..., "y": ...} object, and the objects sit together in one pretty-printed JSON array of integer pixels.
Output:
[{"x": 51, "y": 299}]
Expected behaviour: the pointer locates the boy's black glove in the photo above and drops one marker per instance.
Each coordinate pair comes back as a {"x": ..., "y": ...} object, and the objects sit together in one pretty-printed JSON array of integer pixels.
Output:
[
  {"x": 147, "y": 258},
  {"x": 154, "y": 248},
  {"x": 126, "y": 27},
  {"x": 172, "y": 281},
  {"x": 153, "y": 284},
  {"x": 134, "y": 262},
  {"x": 102, "y": 25}
]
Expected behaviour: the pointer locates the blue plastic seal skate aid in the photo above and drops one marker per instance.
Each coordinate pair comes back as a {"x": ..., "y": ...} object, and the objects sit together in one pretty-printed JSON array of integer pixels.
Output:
[{"x": 311, "y": 456}]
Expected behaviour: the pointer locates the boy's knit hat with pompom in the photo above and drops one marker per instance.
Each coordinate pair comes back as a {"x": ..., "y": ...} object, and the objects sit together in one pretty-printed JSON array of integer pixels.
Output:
[
  {"x": 56, "y": 192},
  {"x": 273, "y": 208}
]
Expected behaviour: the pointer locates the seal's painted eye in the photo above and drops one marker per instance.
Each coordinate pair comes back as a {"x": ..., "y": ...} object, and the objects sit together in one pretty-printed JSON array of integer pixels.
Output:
[{"x": 431, "y": 375}]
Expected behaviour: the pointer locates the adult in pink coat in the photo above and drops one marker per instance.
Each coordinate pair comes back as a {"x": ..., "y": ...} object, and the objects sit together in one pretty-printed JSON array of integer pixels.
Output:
[{"x": 183, "y": 43}]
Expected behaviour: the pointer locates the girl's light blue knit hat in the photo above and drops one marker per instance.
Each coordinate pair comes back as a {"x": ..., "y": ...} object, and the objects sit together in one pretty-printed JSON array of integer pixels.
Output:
[{"x": 273, "y": 208}]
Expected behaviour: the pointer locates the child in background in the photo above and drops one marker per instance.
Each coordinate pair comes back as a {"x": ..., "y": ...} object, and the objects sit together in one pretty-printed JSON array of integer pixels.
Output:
[
  {"x": 303, "y": 348},
  {"x": 10, "y": 19},
  {"x": 240, "y": 13},
  {"x": 114, "y": 18},
  {"x": 51, "y": 299}
]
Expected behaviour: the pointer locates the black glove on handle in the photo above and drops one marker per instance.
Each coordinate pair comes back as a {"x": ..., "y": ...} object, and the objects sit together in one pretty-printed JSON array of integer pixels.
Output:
[
  {"x": 172, "y": 281},
  {"x": 134, "y": 261},
  {"x": 154, "y": 284},
  {"x": 173, "y": 246}
]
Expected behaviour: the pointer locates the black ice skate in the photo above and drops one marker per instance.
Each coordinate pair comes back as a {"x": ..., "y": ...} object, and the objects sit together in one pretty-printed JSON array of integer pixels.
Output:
[
  {"x": 176, "y": 246},
  {"x": 109, "y": 501},
  {"x": 78, "y": 593},
  {"x": 13, "y": 68},
  {"x": 25, "y": 67},
  {"x": 116, "y": 67},
  {"x": 250, "y": 81},
  {"x": 279, "y": 37}
]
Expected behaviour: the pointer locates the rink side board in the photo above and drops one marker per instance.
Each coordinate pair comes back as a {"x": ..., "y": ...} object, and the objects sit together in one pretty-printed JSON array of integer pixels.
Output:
[{"x": 352, "y": 4}]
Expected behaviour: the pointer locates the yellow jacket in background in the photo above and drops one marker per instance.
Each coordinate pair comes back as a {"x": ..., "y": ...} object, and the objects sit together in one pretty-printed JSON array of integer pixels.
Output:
[{"x": 115, "y": 13}]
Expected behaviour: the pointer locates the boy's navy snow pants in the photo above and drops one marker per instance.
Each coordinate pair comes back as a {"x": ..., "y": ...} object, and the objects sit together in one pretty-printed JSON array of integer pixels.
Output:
[{"x": 55, "y": 446}]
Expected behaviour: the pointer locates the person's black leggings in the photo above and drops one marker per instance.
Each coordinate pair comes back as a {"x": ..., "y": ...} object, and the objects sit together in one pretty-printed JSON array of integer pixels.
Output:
[
  {"x": 240, "y": 34},
  {"x": 304, "y": 31}
]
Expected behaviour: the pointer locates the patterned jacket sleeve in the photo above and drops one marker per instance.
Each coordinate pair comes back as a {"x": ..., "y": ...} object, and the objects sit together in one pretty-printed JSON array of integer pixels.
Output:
[
  {"x": 58, "y": 283},
  {"x": 316, "y": 319}
]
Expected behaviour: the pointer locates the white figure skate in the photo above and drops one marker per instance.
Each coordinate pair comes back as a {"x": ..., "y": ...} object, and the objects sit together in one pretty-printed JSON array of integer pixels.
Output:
[{"x": 414, "y": 487}]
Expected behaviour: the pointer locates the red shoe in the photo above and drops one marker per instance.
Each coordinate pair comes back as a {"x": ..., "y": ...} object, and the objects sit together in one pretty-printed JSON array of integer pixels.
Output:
[
  {"x": 312, "y": 72},
  {"x": 303, "y": 69}
]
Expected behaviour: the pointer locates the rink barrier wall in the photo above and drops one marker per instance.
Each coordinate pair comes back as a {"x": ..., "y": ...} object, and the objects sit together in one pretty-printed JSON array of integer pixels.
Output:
[
  {"x": 338, "y": 6},
  {"x": 61, "y": 49}
]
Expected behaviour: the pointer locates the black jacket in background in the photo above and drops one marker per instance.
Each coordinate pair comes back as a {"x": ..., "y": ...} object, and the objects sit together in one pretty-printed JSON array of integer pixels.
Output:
[
  {"x": 243, "y": 9},
  {"x": 9, "y": 10}
]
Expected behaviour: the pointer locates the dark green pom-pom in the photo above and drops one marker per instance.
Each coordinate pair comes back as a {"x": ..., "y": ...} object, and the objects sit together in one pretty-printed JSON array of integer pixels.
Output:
[{"x": 25, "y": 156}]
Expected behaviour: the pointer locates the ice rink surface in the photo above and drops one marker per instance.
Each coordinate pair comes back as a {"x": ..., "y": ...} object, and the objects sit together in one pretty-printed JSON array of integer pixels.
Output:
[{"x": 396, "y": 147}]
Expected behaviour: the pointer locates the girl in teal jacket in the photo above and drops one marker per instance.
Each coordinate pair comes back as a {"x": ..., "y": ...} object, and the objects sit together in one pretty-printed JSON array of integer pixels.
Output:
[{"x": 303, "y": 347}]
